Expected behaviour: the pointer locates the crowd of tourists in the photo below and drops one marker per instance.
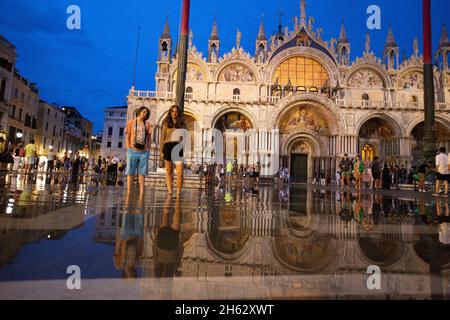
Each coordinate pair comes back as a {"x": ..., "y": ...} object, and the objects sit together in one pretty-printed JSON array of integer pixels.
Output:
[
  {"x": 377, "y": 174},
  {"x": 20, "y": 158}
]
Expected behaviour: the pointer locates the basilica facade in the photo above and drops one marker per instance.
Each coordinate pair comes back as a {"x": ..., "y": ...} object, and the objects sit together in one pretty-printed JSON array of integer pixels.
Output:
[{"x": 299, "y": 100}]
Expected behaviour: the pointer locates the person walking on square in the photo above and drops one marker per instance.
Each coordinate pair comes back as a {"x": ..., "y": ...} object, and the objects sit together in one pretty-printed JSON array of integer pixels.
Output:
[
  {"x": 171, "y": 136},
  {"x": 50, "y": 160},
  {"x": 358, "y": 170},
  {"x": 386, "y": 177},
  {"x": 229, "y": 171},
  {"x": 30, "y": 155},
  {"x": 17, "y": 157},
  {"x": 376, "y": 173},
  {"x": 137, "y": 141},
  {"x": 338, "y": 178},
  {"x": 346, "y": 166},
  {"x": 442, "y": 171}
]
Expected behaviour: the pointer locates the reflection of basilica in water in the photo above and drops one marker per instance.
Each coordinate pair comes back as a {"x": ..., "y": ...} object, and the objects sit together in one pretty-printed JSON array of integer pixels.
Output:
[
  {"x": 322, "y": 103},
  {"x": 225, "y": 243},
  {"x": 269, "y": 244}
]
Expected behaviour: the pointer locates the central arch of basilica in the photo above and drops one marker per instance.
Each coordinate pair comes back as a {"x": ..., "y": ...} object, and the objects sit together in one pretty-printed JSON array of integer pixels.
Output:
[{"x": 299, "y": 99}]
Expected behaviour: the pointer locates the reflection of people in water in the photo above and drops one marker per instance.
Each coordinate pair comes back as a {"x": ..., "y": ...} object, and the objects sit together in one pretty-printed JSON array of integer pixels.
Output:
[
  {"x": 442, "y": 213},
  {"x": 168, "y": 248},
  {"x": 129, "y": 240},
  {"x": 358, "y": 210}
]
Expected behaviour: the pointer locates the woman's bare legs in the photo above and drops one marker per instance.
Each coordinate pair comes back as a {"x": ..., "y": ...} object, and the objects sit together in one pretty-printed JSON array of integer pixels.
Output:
[
  {"x": 130, "y": 180},
  {"x": 141, "y": 184},
  {"x": 169, "y": 175}
]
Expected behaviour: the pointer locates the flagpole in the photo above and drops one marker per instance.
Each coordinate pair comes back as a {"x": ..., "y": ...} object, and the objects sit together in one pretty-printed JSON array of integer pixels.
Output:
[{"x": 182, "y": 55}]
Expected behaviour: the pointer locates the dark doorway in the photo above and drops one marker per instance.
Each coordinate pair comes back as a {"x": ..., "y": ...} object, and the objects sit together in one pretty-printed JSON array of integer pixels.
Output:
[{"x": 299, "y": 168}]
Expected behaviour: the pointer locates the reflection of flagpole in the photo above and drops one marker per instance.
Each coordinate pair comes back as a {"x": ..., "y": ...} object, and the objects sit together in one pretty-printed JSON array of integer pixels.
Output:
[{"x": 136, "y": 57}]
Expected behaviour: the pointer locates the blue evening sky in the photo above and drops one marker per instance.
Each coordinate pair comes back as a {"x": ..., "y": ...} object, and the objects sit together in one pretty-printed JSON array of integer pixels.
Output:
[{"x": 92, "y": 68}]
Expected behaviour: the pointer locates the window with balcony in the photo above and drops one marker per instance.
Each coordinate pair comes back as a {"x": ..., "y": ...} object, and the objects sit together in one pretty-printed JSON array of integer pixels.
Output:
[
  {"x": 189, "y": 92},
  {"x": 365, "y": 100},
  {"x": 236, "y": 94}
]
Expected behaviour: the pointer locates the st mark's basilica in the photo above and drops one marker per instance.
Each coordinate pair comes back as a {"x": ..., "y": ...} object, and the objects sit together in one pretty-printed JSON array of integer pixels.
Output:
[{"x": 300, "y": 98}]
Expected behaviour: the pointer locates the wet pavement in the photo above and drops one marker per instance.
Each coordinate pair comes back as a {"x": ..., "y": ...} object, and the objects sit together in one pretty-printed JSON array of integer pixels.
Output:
[{"x": 238, "y": 242}]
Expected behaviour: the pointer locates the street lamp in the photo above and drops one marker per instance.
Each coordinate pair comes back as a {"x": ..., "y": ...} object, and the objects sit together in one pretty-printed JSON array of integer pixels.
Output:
[{"x": 19, "y": 136}]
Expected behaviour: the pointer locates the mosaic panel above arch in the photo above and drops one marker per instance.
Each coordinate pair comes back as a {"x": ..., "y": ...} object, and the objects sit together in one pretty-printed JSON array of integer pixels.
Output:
[
  {"x": 411, "y": 80},
  {"x": 305, "y": 117},
  {"x": 237, "y": 72},
  {"x": 365, "y": 78},
  {"x": 377, "y": 128},
  {"x": 194, "y": 73},
  {"x": 233, "y": 121}
]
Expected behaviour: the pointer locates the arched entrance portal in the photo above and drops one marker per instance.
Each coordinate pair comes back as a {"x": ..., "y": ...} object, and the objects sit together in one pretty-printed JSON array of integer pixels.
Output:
[
  {"x": 300, "y": 152},
  {"x": 416, "y": 140},
  {"x": 307, "y": 129},
  {"x": 233, "y": 126},
  {"x": 378, "y": 137}
]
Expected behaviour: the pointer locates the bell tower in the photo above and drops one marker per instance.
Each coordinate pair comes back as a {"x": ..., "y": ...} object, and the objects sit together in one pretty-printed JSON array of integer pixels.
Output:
[
  {"x": 261, "y": 45},
  {"x": 214, "y": 44},
  {"x": 343, "y": 47},
  {"x": 391, "y": 51},
  {"x": 164, "y": 55}
]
